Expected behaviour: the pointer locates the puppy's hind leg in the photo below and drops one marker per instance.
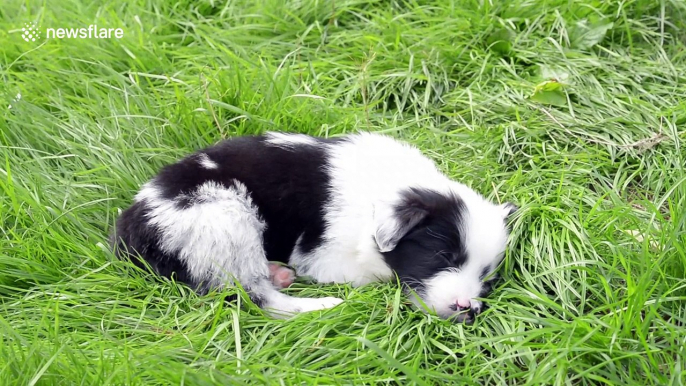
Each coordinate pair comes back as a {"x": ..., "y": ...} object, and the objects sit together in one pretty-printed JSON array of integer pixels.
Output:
[
  {"x": 217, "y": 233},
  {"x": 280, "y": 305}
]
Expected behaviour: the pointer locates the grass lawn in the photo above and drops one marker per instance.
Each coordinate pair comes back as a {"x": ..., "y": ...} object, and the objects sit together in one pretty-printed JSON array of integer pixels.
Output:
[{"x": 574, "y": 110}]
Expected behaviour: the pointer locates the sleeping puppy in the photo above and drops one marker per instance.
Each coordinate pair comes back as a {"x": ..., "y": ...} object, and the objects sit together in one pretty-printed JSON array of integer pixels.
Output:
[{"x": 356, "y": 209}]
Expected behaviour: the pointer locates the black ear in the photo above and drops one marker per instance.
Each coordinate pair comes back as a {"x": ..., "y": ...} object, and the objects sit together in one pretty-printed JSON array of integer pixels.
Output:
[
  {"x": 394, "y": 220},
  {"x": 508, "y": 209}
]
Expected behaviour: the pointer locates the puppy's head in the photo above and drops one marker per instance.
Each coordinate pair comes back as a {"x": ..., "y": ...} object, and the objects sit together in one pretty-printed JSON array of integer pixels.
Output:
[{"x": 444, "y": 247}]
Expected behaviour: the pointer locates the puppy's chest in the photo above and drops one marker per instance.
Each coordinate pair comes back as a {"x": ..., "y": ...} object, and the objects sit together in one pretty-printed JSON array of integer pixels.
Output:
[{"x": 342, "y": 261}]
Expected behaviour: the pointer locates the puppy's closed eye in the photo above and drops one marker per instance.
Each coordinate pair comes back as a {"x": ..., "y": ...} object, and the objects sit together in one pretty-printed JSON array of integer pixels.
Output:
[{"x": 485, "y": 273}]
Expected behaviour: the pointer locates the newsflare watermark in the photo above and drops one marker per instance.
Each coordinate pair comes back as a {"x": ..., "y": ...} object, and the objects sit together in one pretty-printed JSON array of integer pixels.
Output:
[{"x": 31, "y": 32}]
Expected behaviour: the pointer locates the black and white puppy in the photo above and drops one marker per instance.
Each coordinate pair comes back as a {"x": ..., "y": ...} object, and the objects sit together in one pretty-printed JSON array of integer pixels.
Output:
[{"x": 357, "y": 209}]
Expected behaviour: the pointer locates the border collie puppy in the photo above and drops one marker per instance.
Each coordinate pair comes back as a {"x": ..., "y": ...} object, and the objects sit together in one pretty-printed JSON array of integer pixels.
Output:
[{"x": 357, "y": 209}]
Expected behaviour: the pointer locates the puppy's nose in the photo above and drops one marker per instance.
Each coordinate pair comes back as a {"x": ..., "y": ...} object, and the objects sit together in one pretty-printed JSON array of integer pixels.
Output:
[{"x": 463, "y": 304}]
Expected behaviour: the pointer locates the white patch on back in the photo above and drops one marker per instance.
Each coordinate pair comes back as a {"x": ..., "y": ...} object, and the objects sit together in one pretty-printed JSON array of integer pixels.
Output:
[
  {"x": 212, "y": 233},
  {"x": 289, "y": 141},
  {"x": 206, "y": 162}
]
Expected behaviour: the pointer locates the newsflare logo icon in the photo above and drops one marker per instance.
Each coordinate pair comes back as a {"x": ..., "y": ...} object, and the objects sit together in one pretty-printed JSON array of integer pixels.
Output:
[{"x": 30, "y": 32}]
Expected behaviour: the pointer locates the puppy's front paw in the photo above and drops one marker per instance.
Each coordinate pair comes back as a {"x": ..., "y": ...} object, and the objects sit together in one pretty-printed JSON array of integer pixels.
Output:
[
  {"x": 289, "y": 306},
  {"x": 314, "y": 304}
]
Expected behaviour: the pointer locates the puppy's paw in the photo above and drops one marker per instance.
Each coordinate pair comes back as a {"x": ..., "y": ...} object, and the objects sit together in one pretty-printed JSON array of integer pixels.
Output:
[
  {"x": 320, "y": 304},
  {"x": 280, "y": 276},
  {"x": 291, "y": 306}
]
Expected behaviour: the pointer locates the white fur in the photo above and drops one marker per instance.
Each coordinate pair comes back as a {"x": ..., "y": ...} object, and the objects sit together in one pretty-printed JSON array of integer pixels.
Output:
[
  {"x": 288, "y": 141},
  {"x": 206, "y": 162},
  {"x": 449, "y": 287},
  {"x": 221, "y": 234}
]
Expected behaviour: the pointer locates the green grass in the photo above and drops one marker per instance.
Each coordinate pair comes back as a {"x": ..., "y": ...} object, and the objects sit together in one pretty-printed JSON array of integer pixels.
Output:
[{"x": 593, "y": 289}]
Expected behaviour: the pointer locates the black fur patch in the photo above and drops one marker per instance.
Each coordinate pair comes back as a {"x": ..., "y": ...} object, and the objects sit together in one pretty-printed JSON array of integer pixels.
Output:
[{"x": 435, "y": 243}]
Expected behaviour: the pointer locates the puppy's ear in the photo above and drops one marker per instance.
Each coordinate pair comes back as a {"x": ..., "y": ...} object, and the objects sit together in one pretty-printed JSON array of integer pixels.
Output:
[
  {"x": 393, "y": 221},
  {"x": 508, "y": 209}
]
